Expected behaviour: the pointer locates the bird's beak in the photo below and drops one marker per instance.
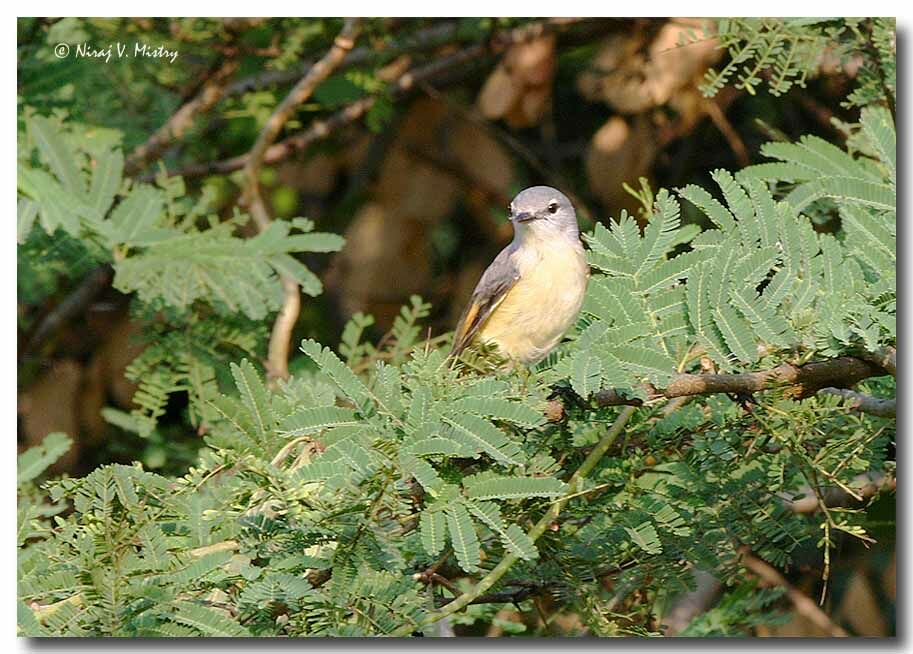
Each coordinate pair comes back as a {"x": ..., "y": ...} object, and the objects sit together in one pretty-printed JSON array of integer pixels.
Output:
[{"x": 524, "y": 216}]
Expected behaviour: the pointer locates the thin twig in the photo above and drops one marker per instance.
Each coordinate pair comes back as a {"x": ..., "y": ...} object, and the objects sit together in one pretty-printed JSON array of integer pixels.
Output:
[{"x": 280, "y": 339}]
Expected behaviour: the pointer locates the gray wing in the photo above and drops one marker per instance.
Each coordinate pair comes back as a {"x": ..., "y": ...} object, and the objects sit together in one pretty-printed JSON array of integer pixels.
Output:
[{"x": 492, "y": 288}]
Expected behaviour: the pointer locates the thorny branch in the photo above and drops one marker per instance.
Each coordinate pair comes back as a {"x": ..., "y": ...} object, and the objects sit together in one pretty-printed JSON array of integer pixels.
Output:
[{"x": 279, "y": 342}]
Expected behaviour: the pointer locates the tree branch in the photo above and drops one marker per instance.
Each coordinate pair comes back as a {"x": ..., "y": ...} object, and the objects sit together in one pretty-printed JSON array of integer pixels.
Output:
[
  {"x": 885, "y": 357},
  {"x": 206, "y": 94},
  {"x": 182, "y": 120},
  {"x": 280, "y": 338},
  {"x": 215, "y": 87},
  {"x": 71, "y": 306},
  {"x": 422, "y": 40},
  {"x": 803, "y": 604},
  {"x": 801, "y": 381},
  {"x": 406, "y": 83},
  {"x": 833, "y": 496},
  {"x": 883, "y": 408}
]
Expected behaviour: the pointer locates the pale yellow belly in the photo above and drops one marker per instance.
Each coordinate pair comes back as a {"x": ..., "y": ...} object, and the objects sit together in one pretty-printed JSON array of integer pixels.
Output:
[{"x": 540, "y": 308}]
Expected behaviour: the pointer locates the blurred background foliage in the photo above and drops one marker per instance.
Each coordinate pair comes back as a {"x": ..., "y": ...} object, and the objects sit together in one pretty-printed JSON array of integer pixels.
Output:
[{"x": 411, "y": 151}]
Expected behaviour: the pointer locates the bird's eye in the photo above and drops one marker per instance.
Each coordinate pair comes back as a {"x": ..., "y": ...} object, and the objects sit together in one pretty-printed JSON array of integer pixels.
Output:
[
  {"x": 553, "y": 207},
  {"x": 510, "y": 211}
]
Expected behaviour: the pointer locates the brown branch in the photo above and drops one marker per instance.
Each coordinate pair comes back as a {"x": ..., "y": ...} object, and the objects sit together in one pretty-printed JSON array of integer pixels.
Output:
[
  {"x": 71, "y": 306},
  {"x": 422, "y": 40},
  {"x": 691, "y": 604},
  {"x": 883, "y": 408},
  {"x": 885, "y": 357},
  {"x": 321, "y": 129},
  {"x": 801, "y": 381},
  {"x": 182, "y": 120},
  {"x": 280, "y": 338},
  {"x": 803, "y": 604},
  {"x": 443, "y": 34},
  {"x": 805, "y": 379},
  {"x": 433, "y": 72},
  {"x": 833, "y": 496},
  {"x": 215, "y": 87},
  {"x": 722, "y": 123}
]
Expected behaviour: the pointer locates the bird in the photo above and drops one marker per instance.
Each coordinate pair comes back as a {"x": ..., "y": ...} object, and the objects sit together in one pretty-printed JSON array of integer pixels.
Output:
[{"x": 533, "y": 290}]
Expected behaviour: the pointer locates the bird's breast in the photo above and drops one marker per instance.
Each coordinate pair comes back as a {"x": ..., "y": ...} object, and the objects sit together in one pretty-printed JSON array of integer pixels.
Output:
[{"x": 543, "y": 304}]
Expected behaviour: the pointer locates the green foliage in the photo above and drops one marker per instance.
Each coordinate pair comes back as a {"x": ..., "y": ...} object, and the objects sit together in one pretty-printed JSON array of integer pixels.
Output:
[
  {"x": 761, "y": 283},
  {"x": 33, "y": 510},
  {"x": 169, "y": 551},
  {"x": 786, "y": 51},
  {"x": 335, "y": 502},
  {"x": 322, "y": 501},
  {"x": 171, "y": 254},
  {"x": 737, "y": 612},
  {"x": 36, "y": 460}
]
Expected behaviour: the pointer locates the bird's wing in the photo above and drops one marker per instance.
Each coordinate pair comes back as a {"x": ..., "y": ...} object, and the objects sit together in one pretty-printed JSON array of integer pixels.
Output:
[{"x": 491, "y": 290}]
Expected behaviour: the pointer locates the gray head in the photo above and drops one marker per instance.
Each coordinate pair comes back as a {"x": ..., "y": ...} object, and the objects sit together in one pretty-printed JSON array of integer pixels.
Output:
[{"x": 543, "y": 212}]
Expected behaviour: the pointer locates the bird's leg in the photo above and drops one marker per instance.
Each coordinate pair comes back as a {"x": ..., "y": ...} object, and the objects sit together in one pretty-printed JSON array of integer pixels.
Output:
[{"x": 525, "y": 375}]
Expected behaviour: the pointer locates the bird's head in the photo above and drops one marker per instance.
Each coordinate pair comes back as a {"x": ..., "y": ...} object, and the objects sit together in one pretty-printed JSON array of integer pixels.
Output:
[{"x": 542, "y": 212}]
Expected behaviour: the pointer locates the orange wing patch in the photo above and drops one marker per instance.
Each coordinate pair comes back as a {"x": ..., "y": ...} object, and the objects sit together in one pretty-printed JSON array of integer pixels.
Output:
[
  {"x": 472, "y": 311},
  {"x": 475, "y": 316},
  {"x": 496, "y": 282}
]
